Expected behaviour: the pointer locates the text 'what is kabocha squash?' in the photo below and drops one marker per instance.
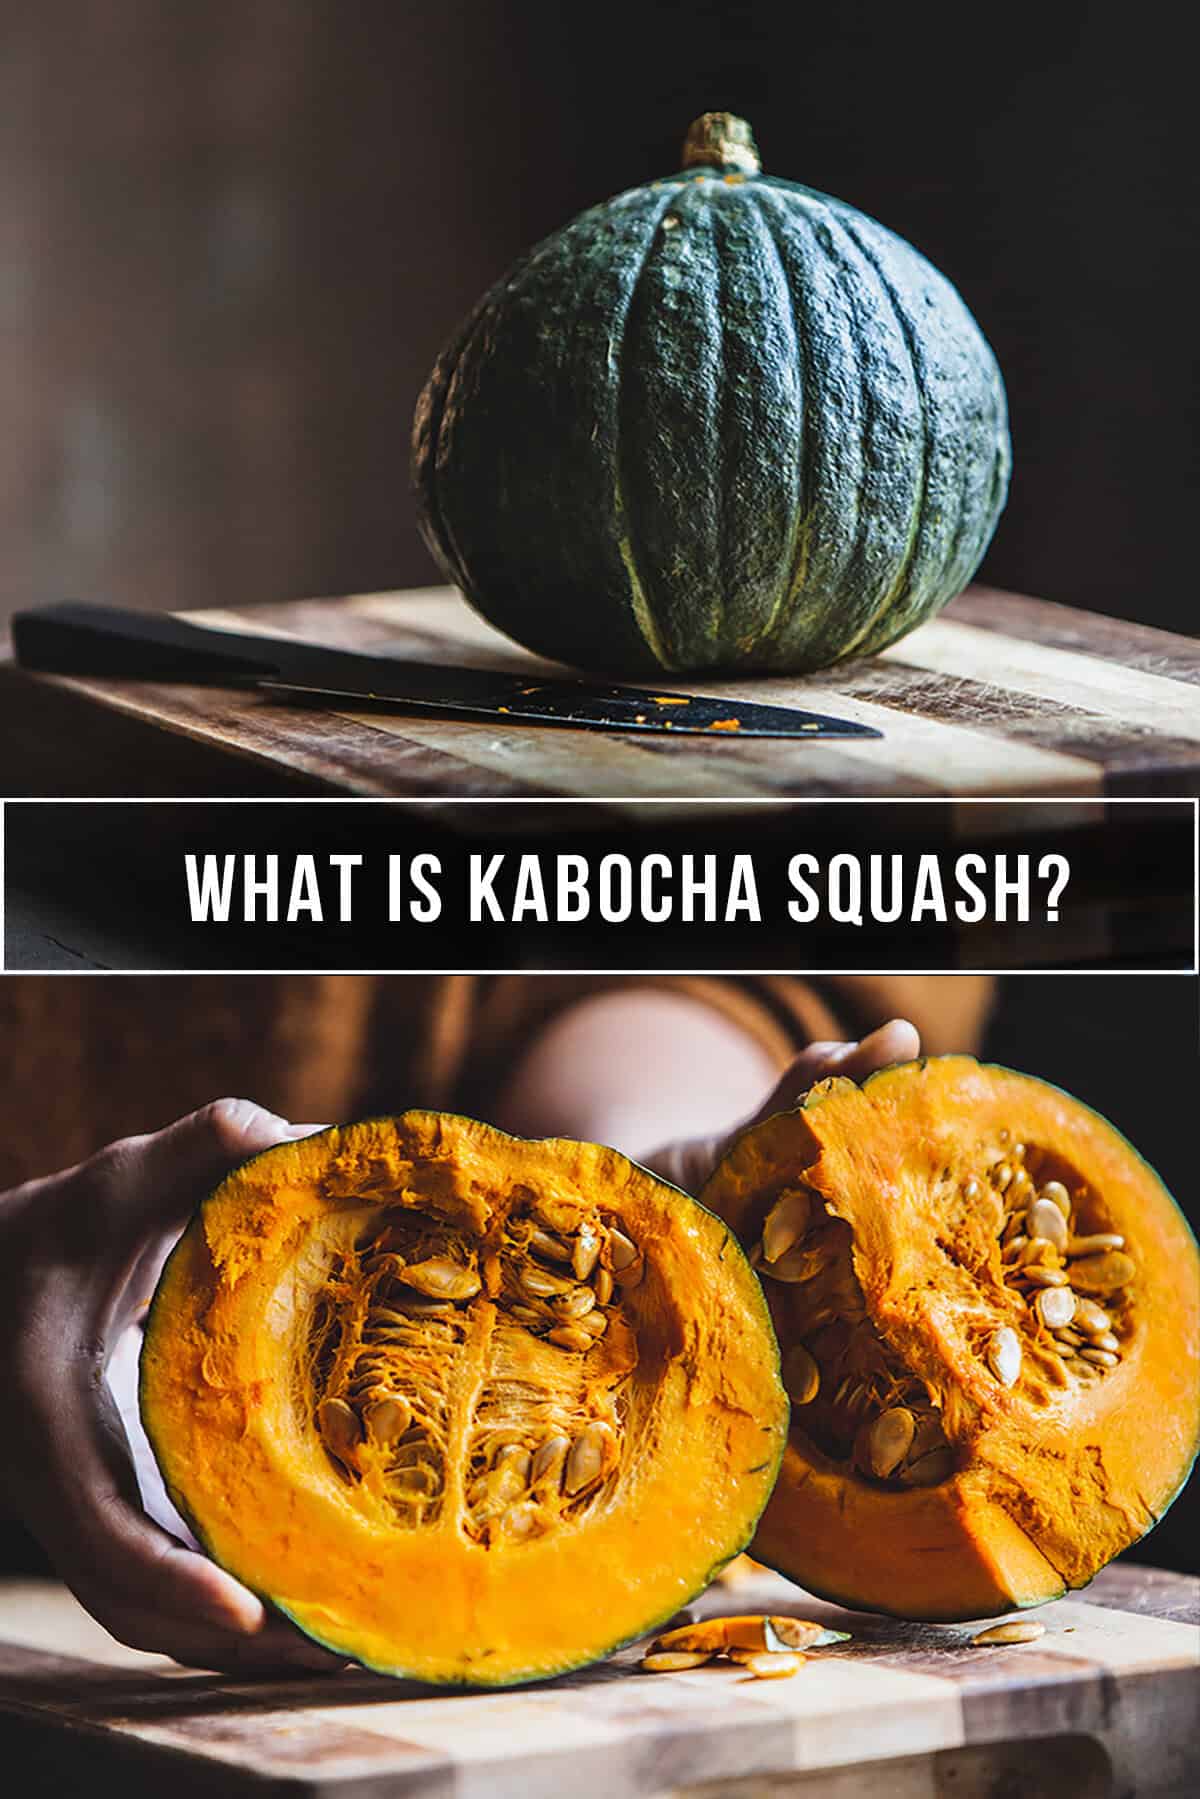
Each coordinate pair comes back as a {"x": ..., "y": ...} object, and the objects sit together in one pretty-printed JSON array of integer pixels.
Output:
[
  {"x": 465, "y": 1407},
  {"x": 988, "y": 1307},
  {"x": 721, "y": 421}
]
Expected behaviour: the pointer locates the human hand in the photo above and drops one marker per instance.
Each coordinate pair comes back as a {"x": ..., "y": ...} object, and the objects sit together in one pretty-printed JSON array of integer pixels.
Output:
[
  {"x": 80, "y": 1253},
  {"x": 690, "y": 1163}
]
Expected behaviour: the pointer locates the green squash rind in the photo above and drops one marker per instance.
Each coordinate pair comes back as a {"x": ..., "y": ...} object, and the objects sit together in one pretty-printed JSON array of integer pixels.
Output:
[
  {"x": 714, "y": 423},
  {"x": 778, "y": 1433}
]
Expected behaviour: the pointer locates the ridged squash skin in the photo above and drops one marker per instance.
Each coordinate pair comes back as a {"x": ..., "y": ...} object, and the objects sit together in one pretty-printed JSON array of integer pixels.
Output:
[
  {"x": 721, "y": 421},
  {"x": 233, "y": 1377},
  {"x": 1051, "y": 1475}
]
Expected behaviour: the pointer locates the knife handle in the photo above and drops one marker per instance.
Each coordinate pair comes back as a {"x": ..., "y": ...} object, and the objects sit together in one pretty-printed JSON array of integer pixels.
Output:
[{"x": 76, "y": 639}]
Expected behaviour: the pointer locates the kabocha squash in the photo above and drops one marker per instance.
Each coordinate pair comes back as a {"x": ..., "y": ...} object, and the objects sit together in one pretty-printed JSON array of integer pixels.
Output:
[
  {"x": 465, "y": 1407},
  {"x": 720, "y": 421},
  {"x": 987, "y": 1305}
]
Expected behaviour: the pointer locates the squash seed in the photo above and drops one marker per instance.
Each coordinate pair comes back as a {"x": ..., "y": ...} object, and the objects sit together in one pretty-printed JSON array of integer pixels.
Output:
[
  {"x": 1106, "y": 1340},
  {"x": 1104, "y": 1273},
  {"x": 1040, "y": 1276},
  {"x": 440, "y": 1278},
  {"x": 586, "y": 1252},
  {"x": 1055, "y": 1306},
  {"x": 574, "y": 1304},
  {"x": 585, "y": 1463},
  {"x": 1020, "y": 1630},
  {"x": 889, "y": 1440},
  {"x": 621, "y": 1252},
  {"x": 1004, "y": 1355},
  {"x": 569, "y": 1336},
  {"x": 1100, "y": 1358},
  {"x": 548, "y": 1458},
  {"x": 1002, "y": 1175},
  {"x": 520, "y": 1520},
  {"x": 930, "y": 1470},
  {"x": 340, "y": 1429},
  {"x": 540, "y": 1284},
  {"x": 801, "y": 1376},
  {"x": 602, "y": 1286},
  {"x": 672, "y": 1661},
  {"x": 1043, "y": 1219},
  {"x": 772, "y": 1667},
  {"x": 785, "y": 1223},
  {"x": 795, "y": 1265},
  {"x": 388, "y": 1418},
  {"x": 1095, "y": 1244},
  {"x": 1058, "y": 1196},
  {"x": 1091, "y": 1318},
  {"x": 548, "y": 1245},
  {"x": 595, "y": 1322},
  {"x": 1070, "y": 1339}
]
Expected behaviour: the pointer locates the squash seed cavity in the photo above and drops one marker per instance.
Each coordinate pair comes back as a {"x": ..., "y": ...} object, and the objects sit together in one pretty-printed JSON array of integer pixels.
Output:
[
  {"x": 507, "y": 1355},
  {"x": 1055, "y": 1303}
]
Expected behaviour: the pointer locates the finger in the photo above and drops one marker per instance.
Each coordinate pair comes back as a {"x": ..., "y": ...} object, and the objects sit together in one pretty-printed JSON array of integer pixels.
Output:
[
  {"x": 155, "y": 1181},
  {"x": 895, "y": 1041}
]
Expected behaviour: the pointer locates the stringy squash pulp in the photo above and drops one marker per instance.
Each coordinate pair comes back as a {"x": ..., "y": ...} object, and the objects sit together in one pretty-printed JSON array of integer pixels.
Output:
[
  {"x": 987, "y": 1304},
  {"x": 465, "y": 1407}
]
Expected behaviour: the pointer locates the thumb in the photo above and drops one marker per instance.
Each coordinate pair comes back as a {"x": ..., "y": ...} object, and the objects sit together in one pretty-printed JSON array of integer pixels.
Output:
[{"x": 157, "y": 1180}]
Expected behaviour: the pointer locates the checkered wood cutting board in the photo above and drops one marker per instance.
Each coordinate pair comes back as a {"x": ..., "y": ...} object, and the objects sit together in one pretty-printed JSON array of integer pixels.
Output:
[
  {"x": 1107, "y": 1697},
  {"x": 1000, "y": 696}
]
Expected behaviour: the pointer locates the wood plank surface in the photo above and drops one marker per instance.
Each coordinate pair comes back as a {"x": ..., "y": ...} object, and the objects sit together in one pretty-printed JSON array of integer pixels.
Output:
[
  {"x": 912, "y": 1709},
  {"x": 1001, "y": 696}
]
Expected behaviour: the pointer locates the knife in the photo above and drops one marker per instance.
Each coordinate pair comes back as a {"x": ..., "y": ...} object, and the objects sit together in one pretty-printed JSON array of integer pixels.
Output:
[{"x": 76, "y": 639}]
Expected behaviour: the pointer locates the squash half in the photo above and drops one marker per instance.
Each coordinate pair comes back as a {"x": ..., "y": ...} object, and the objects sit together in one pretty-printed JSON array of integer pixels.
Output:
[
  {"x": 466, "y": 1408},
  {"x": 988, "y": 1305}
]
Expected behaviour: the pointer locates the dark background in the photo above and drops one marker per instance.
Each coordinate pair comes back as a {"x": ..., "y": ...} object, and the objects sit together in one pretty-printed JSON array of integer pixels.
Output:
[{"x": 233, "y": 236}]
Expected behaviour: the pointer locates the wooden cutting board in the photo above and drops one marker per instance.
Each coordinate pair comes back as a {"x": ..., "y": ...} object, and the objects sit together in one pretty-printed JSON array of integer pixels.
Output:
[
  {"x": 1103, "y": 1705},
  {"x": 999, "y": 696}
]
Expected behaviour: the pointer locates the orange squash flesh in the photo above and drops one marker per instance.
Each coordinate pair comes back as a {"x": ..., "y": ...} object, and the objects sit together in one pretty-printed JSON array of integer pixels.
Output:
[
  {"x": 439, "y": 1556},
  {"x": 922, "y": 1179}
]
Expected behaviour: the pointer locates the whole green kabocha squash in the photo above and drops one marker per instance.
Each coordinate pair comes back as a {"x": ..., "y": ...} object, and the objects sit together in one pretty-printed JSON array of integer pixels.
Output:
[{"x": 720, "y": 421}]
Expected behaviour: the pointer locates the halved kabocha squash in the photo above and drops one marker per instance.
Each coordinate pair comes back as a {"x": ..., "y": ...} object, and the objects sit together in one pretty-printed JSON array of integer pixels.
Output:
[
  {"x": 465, "y": 1407},
  {"x": 987, "y": 1305}
]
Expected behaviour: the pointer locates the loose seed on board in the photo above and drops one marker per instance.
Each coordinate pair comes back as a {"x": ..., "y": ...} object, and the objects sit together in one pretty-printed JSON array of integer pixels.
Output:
[
  {"x": 1043, "y": 1219},
  {"x": 771, "y": 1667},
  {"x": 672, "y": 1661},
  {"x": 751, "y": 1634},
  {"x": 1021, "y": 1630},
  {"x": 1058, "y": 1196},
  {"x": 1004, "y": 1355},
  {"x": 1095, "y": 1244},
  {"x": 1104, "y": 1273},
  {"x": 1055, "y": 1306},
  {"x": 785, "y": 1224},
  {"x": 889, "y": 1440},
  {"x": 801, "y": 1376}
]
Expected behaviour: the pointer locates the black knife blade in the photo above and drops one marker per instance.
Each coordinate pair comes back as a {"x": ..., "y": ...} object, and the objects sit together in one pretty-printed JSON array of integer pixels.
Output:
[{"x": 78, "y": 639}]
